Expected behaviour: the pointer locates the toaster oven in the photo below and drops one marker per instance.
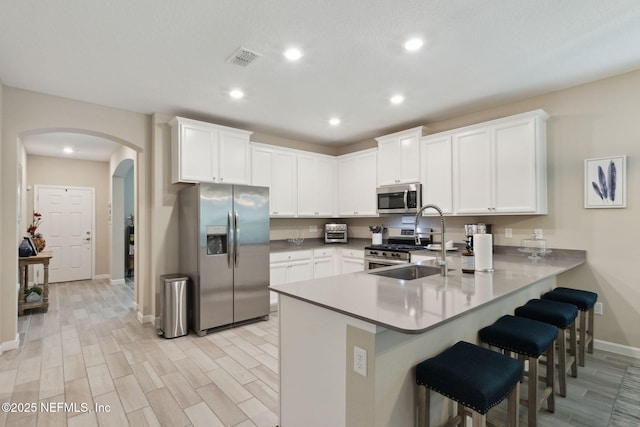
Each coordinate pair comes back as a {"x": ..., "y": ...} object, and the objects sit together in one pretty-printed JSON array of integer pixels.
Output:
[{"x": 335, "y": 233}]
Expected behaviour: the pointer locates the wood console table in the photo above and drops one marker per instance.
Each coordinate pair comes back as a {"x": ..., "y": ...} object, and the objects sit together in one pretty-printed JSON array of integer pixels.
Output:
[{"x": 23, "y": 264}]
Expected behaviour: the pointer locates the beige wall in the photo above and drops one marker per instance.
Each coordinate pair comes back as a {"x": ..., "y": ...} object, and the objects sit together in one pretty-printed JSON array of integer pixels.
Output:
[{"x": 77, "y": 173}]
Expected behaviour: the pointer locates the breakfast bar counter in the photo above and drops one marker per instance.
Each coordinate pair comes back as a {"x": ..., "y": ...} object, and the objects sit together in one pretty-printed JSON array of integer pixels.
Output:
[{"x": 397, "y": 323}]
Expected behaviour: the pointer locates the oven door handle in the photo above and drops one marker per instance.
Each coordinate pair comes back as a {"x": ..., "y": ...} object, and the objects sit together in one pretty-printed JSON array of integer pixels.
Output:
[{"x": 406, "y": 197}]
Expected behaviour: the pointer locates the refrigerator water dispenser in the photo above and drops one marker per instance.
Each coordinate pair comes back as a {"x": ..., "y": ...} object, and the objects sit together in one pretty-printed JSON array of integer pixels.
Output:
[{"x": 216, "y": 240}]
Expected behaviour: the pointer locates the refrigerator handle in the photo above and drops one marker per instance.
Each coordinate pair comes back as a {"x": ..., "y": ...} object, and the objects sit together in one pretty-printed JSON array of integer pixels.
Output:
[
  {"x": 230, "y": 239},
  {"x": 236, "y": 238}
]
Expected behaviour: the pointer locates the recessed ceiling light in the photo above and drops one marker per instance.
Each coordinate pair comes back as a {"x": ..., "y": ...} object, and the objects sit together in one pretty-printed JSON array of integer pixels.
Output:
[
  {"x": 334, "y": 121},
  {"x": 397, "y": 99},
  {"x": 236, "y": 94},
  {"x": 293, "y": 54},
  {"x": 68, "y": 150},
  {"x": 413, "y": 44}
]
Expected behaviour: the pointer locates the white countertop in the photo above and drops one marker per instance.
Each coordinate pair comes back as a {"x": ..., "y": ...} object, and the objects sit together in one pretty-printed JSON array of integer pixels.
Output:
[{"x": 415, "y": 306}]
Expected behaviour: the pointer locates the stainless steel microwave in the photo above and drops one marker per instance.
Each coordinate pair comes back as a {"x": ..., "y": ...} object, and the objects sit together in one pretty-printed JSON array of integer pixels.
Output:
[{"x": 406, "y": 198}]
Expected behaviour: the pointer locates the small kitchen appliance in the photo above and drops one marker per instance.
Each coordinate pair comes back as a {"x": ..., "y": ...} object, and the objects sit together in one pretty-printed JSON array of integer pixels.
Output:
[
  {"x": 335, "y": 233},
  {"x": 397, "y": 250}
]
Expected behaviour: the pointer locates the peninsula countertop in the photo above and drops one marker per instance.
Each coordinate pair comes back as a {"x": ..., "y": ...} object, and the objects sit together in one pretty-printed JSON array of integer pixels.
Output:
[{"x": 415, "y": 306}]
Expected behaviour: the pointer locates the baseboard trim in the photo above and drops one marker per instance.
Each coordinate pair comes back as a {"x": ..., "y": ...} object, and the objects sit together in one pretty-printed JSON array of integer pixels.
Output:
[
  {"x": 117, "y": 281},
  {"x": 10, "y": 345},
  {"x": 624, "y": 350},
  {"x": 101, "y": 276},
  {"x": 145, "y": 319}
]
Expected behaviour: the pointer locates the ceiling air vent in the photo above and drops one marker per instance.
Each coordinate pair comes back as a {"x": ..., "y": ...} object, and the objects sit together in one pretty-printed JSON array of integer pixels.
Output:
[{"x": 243, "y": 57}]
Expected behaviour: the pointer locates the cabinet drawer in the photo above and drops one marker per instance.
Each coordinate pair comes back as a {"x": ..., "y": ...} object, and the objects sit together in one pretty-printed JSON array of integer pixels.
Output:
[
  {"x": 323, "y": 252},
  {"x": 352, "y": 253},
  {"x": 290, "y": 256}
]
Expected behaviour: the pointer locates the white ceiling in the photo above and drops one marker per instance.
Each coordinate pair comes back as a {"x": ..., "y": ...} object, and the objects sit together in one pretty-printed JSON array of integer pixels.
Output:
[{"x": 170, "y": 57}]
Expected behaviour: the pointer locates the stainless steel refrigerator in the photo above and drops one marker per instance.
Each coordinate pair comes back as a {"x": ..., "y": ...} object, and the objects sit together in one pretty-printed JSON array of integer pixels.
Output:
[{"x": 224, "y": 249}]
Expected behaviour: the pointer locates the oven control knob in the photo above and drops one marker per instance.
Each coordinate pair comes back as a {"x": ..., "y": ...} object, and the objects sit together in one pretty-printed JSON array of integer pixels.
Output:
[
  {"x": 384, "y": 254},
  {"x": 373, "y": 253}
]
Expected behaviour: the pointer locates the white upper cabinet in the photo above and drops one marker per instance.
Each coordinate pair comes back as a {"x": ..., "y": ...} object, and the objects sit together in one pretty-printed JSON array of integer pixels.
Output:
[
  {"x": 276, "y": 169},
  {"x": 357, "y": 184},
  {"x": 204, "y": 152},
  {"x": 316, "y": 185},
  {"x": 399, "y": 157},
  {"x": 499, "y": 167},
  {"x": 435, "y": 173}
]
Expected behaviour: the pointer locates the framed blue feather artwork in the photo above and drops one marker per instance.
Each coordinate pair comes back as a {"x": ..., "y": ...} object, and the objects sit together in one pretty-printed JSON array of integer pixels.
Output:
[{"x": 605, "y": 182}]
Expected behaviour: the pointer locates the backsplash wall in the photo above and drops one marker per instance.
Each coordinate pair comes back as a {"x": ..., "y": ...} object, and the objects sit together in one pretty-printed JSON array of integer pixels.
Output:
[{"x": 521, "y": 226}]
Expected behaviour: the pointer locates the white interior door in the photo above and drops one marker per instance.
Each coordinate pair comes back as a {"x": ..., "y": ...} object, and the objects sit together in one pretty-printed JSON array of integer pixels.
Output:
[{"x": 67, "y": 227}]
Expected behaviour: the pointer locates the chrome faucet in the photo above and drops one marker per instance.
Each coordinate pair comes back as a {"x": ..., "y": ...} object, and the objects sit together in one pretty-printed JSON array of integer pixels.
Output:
[{"x": 443, "y": 260}]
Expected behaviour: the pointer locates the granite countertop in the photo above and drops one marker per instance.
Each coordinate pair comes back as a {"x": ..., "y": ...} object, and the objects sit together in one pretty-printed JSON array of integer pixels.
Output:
[
  {"x": 310, "y": 244},
  {"x": 415, "y": 306}
]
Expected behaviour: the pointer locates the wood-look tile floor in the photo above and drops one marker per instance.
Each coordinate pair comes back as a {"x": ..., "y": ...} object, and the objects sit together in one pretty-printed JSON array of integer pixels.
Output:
[{"x": 89, "y": 350}]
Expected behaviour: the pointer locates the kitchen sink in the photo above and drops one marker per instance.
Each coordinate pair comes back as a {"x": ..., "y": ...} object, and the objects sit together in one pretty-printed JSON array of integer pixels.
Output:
[{"x": 410, "y": 272}]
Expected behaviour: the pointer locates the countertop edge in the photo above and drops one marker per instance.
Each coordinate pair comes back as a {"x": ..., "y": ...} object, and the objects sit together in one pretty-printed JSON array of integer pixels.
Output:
[{"x": 572, "y": 263}]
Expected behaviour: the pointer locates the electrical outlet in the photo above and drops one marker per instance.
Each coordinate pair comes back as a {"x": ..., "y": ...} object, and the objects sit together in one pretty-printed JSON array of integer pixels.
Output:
[
  {"x": 313, "y": 229},
  {"x": 508, "y": 233},
  {"x": 597, "y": 309},
  {"x": 538, "y": 233},
  {"x": 360, "y": 360}
]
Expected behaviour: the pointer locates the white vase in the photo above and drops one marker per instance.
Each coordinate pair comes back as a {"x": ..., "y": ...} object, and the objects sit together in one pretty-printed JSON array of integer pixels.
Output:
[{"x": 376, "y": 238}]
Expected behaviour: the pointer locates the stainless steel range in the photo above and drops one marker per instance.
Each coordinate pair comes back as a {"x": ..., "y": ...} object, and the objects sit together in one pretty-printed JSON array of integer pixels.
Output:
[{"x": 397, "y": 250}]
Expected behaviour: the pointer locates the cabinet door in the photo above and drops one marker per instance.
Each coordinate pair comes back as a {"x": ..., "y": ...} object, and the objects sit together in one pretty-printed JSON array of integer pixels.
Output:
[
  {"x": 365, "y": 185},
  {"x": 390, "y": 161},
  {"x": 299, "y": 271},
  {"x": 234, "y": 157},
  {"x": 435, "y": 171},
  {"x": 278, "y": 273},
  {"x": 283, "y": 184},
  {"x": 347, "y": 186},
  {"x": 198, "y": 152},
  {"x": 352, "y": 265},
  {"x": 472, "y": 172},
  {"x": 514, "y": 158},
  {"x": 325, "y": 187},
  {"x": 409, "y": 149},
  {"x": 323, "y": 267},
  {"x": 307, "y": 203}
]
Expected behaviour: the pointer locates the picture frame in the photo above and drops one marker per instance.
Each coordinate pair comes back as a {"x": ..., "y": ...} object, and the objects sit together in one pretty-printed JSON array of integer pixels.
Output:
[{"x": 605, "y": 182}]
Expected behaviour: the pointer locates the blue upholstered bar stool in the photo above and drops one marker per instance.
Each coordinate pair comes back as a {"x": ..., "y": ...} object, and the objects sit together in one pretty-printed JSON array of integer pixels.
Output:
[
  {"x": 585, "y": 301},
  {"x": 531, "y": 339},
  {"x": 475, "y": 377},
  {"x": 563, "y": 316}
]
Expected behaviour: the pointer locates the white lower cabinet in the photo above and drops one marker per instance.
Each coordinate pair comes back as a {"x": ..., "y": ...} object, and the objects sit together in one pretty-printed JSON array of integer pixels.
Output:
[
  {"x": 288, "y": 267},
  {"x": 324, "y": 263},
  {"x": 296, "y": 266},
  {"x": 351, "y": 261}
]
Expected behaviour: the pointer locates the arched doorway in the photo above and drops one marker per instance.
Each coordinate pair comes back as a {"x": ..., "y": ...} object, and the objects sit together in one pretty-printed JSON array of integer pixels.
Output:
[{"x": 118, "y": 195}]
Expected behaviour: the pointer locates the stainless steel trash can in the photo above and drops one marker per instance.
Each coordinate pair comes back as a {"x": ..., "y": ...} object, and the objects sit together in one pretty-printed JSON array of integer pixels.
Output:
[{"x": 173, "y": 305}]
